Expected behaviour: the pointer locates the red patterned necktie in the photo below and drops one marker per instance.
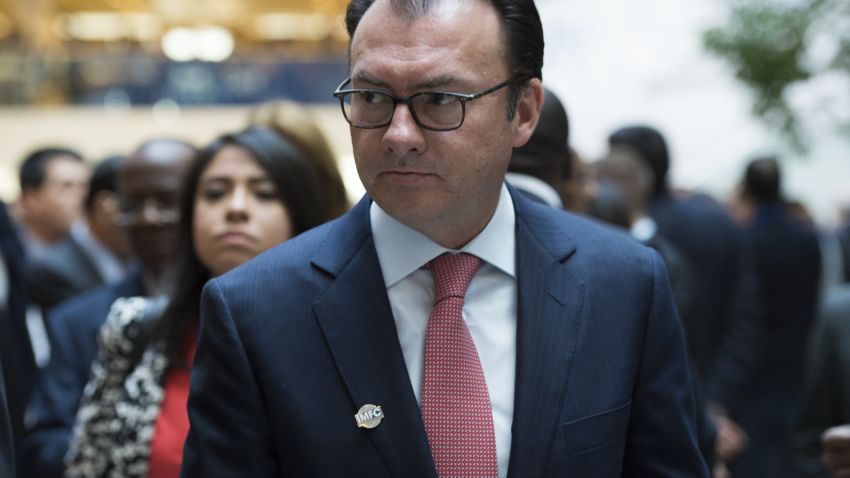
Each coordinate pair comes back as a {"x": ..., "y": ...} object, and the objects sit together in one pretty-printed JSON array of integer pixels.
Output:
[{"x": 455, "y": 402}]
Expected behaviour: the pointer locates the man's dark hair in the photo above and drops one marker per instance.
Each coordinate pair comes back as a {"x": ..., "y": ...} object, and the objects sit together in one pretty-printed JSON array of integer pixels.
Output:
[
  {"x": 103, "y": 178},
  {"x": 33, "y": 169},
  {"x": 650, "y": 145},
  {"x": 520, "y": 24},
  {"x": 762, "y": 180},
  {"x": 546, "y": 155}
]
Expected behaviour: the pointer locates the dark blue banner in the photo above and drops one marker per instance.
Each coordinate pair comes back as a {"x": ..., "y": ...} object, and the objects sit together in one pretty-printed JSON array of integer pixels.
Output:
[{"x": 141, "y": 81}]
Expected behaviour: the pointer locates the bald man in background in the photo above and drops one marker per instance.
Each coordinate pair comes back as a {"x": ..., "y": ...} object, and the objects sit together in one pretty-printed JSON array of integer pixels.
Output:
[{"x": 149, "y": 184}]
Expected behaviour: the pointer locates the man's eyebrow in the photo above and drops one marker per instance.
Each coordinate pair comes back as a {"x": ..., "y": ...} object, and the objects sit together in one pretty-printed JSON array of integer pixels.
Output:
[
  {"x": 436, "y": 82},
  {"x": 361, "y": 77},
  {"x": 429, "y": 84}
]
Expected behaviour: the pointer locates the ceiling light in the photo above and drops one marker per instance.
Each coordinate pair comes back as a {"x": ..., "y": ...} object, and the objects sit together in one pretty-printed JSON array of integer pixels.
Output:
[
  {"x": 205, "y": 43},
  {"x": 293, "y": 26}
]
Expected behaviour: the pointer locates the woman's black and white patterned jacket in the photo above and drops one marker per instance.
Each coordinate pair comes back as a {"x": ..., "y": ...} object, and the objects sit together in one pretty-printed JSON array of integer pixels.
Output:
[{"x": 120, "y": 404}]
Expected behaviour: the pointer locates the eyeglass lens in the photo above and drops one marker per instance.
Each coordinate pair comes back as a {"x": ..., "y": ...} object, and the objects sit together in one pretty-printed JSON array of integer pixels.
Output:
[
  {"x": 431, "y": 110},
  {"x": 134, "y": 210}
]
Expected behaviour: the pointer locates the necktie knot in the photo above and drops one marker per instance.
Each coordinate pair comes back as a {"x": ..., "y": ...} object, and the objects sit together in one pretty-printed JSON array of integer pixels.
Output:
[{"x": 452, "y": 274}]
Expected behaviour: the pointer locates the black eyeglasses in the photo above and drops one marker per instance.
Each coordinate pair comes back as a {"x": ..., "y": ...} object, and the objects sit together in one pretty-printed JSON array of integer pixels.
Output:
[
  {"x": 131, "y": 211},
  {"x": 434, "y": 110}
]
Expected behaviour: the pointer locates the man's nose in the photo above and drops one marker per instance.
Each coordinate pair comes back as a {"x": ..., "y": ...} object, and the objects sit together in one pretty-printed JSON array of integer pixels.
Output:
[{"x": 403, "y": 134}]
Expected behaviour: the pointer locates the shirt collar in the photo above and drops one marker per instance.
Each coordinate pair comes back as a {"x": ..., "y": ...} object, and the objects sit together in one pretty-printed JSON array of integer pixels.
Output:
[
  {"x": 402, "y": 250},
  {"x": 535, "y": 187}
]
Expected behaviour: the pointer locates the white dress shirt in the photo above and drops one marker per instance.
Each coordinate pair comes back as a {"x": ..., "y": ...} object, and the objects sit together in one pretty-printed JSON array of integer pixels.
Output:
[{"x": 489, "y": 309}]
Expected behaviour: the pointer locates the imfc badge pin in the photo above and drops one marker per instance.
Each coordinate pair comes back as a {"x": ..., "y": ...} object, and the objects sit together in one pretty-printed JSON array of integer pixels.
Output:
[{"x": 369, "y": 416}]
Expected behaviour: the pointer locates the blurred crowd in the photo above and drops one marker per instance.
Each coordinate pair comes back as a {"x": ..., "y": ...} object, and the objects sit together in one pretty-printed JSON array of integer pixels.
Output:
[{"x": 104, "y": 260}]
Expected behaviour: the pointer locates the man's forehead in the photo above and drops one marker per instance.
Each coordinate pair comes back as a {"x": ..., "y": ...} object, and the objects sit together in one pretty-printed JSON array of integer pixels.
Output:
[
  {"x": 62, "y": 168},
  {"x": 440, "y": 47},
  {"x": 410, "y": 10},
  {"x": 152, "y": 172},
  {"x": 64, "y": 162},
  {"x": 150, "y": 182}
]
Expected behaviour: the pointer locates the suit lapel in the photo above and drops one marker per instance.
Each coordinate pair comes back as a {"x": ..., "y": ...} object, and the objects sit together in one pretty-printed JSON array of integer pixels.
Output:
[
  {"x": 355, "y": 316},
  {"x": 550, "y": 299},
  {"x": 83, "y": 264}
]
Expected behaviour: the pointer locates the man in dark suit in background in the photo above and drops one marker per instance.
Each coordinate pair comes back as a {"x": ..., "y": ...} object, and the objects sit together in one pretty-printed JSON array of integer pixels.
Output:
[
  {"x": 725, "y": 331},
  {"x": 540, "y": 168},
  {"x": 788, "y": 263},
  {"x": 16, "y": 352},
  {"x": 149, "y": 184},
  {"x": 821, "y": 437},
  {"x": 325, "y": 358},
  {"x": 53, "y": 184},
  {"x": 95, "y": 251}
]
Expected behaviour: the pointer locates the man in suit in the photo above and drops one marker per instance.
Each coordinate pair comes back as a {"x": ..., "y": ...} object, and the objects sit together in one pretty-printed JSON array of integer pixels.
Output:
[
  {"x": 94, "y": 253},
  {"x": 16, "y": 351},
  {"x": 53, "y": 182},
  {"x": 324, "y": 357},
  {"x": 725, "y": 328},
  {"x": 625, "y": 190},
  {"x": 820, "y": 437},
  {"x": 788, "y": 263},
  {"x": 149, "y": 183}
]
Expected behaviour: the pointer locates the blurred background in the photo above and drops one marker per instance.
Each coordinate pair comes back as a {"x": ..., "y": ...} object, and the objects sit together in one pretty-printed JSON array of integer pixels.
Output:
[
  {"x": 723, "y": 80},
  {"x": 760, "y": 86}
]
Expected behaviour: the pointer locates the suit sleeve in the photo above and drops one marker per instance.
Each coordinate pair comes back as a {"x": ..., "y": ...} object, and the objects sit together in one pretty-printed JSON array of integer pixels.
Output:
[
  {"x": 54, "y": 403},
  {"x": 47, "y": 287},
  {"x": 662, "y": 438},
  {"x": 740, "y": 347},
  {"x": 820, "y": 400},
  {"x": 229, "y": 434}
]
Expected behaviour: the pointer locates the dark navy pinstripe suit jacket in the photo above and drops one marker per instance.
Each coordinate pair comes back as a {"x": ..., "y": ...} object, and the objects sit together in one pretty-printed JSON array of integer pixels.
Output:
[{"x": 293, "y": 343}]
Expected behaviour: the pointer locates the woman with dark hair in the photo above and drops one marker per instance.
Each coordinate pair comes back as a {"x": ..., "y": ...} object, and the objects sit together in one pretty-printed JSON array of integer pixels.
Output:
[{"x": 245, "y": 193}]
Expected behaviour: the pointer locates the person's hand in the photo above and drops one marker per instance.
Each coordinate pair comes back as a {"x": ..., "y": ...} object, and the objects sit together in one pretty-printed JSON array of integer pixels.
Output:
[
  {"x": 835, "y": 455},
  {"x": 732, "y": 440}
]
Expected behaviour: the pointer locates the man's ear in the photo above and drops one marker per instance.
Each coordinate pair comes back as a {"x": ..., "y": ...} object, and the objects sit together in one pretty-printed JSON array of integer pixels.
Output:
[
  {"x": 27, "y": 199},
  {"x": 528, "y": 109}
]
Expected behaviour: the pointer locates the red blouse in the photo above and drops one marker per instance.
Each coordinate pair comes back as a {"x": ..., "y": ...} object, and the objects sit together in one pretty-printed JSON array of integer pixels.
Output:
[{"x": 172, "y": 424}]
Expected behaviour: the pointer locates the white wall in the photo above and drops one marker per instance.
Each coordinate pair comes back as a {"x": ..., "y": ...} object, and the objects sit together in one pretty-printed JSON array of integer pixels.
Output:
[
  {"x": 615, "y": 62},
  {"x": 96, "y": 133}
]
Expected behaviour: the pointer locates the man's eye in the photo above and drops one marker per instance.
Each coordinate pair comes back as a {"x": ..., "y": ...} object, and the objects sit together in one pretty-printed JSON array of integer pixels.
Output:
[
  {"x": 373, "y": 98},
  {"x": 440, "y": 99}
]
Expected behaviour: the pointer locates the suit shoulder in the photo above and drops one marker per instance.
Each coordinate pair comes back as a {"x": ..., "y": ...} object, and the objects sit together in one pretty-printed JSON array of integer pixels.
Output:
[{"x": 592, "y": 236}]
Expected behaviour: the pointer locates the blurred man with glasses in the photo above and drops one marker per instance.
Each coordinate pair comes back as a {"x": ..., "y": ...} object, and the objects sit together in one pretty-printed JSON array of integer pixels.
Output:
[
  {"x": 149, "y": 183},
  {"x": 553, "y": 348}
]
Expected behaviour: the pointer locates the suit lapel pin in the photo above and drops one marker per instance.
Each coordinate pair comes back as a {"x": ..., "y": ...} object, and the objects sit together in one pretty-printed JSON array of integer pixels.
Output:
[{"x": 369, "y": 416}]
